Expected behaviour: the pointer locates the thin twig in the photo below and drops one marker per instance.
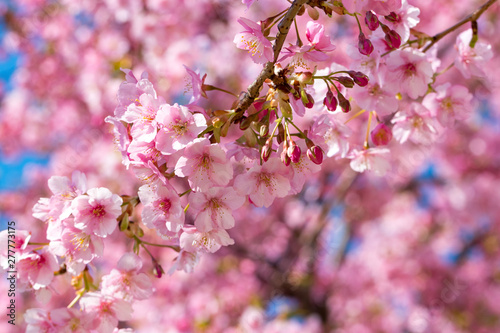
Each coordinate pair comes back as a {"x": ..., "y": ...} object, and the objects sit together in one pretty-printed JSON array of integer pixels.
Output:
[{"x": 472, "y": 17}]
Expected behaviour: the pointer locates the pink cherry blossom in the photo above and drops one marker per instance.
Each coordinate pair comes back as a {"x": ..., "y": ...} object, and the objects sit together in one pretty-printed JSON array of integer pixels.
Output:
[
  {"x": 178, "y": 127},
  {"x": 131, "y": 89},
  {"x": 105, "y": 310},
  {"x": 306, "y": 56},
  {"x": 205, "y": 165},
  {"x": 192, "y": 240},
  {"x": 371, "y": 159},
  {"x": 126, "y": 282},
  {"x": 415, "y": 123},
  {"x": 213, "y": 208},
  {"x": 78, "y": 248},
  {"x": 162, "y": 209},
  {"x": 264, "y": 183},
  {"x": 252, "y": 39},
  {"x": 449, "y": 103},
  {"x": 408, "y": 71},
  {"x": 16, "y": 242},
  {"x": 37, "y": 268},
  {"x": 375, "y": 97},
  {"x": 331, "y": 135},
  {"x": 143, "y": 117},
  {"x": 195, "y": 85},
  {"x": 97, "y": 211},
  {"x": 39, "y": 320},
  {"x": 471, "y": 61},
  {"x": 185, "y": 261}
]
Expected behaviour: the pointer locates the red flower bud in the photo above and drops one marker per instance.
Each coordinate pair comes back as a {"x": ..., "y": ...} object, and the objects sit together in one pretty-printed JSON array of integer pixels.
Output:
[
  {"x": 393, "y": 39},
  {"x": 393, "y": 17},
  {"x": 266, "y": 150},
  {"x": 345, "y": 81},
  {"x": 371, "y": 20},
  {"x": 344, "y": 103},
  {"x": 365, "y": 47},
  {"x": 359, "y": 78},
  {"x": 293, "y": 151},
  {"x": 330, "y": 101},
  {"x": 315, "y": 154},
  {"x": 381, "y": 135}
]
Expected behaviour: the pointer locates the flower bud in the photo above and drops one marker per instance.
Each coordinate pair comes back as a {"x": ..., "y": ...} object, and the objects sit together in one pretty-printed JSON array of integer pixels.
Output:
[
  {"x": 305, "y": 77},
  {"x": 393, "y": 17},
  {"x": 365, "y": 47},
  {"x": 345, "y": 81},
  {"x": 157, "y": 269},
  {"x": 310, "y": 101},
  {"x": 313, "y": 13},
  {"x": 344, "y": 103},
  {"x": 330, "y": 101},
  {"x": 281, "y": 134},
  {"x": 338, "y": 7},
  {"x": 266, "y": 150},
  {"x": 359, "y": 78},
  {"x": 263, "y": 130},
  {"x": 393, "y": 39},
  {"x": 293, "y": 151},
  {"x": 284, "y": 155},
  {"x": 381, "y": 135},
  {"x": 315, "y": 154},
  {"x": 371, "y": 20}
]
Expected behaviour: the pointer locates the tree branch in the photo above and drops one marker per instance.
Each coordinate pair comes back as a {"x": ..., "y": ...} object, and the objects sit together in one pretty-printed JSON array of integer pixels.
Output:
[
  {"x": 472, "y": 17},
  {"x": 254, "y": 89}
]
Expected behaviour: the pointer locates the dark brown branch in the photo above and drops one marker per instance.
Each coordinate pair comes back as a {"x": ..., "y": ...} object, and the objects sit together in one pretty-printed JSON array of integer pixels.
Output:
[
  {"x": 472, "y": 17},
  {"x": 253, "y": 90}
]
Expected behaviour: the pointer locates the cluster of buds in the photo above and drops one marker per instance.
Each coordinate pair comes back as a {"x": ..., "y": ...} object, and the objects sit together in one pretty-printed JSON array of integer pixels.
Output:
[
  {"x": 354, "y": 77},
  {"x": 392, "y": 38}
]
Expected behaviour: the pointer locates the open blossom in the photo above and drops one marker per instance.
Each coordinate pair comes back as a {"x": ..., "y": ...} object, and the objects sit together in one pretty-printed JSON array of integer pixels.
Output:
[
  {"x": 37, "y": 268},
  {"x": 331, "y": 135},
  {"x": 97, "y": 211},
  {"x": 371, "y": 159},
  {"x": 162, "y": 209},
  {"x": 14, "y": 242},
  {"x": 415, "y": 123},
  {"x": 130, "y": 90},
  {"x": 79, "y": 248},
  {"x": 308, "y": 55},
  {"x": 192, "y": 240},
  {"x": 408, "y": 71},
  {"x": 178, "y": 127},
  {"x": 264, "y": 183},
  {"x": 381, "y": 7},
  {"x": 105, "y": 310},
  {"x": 143, "y": 117},
  {"x": 471, "y": 61},
  {"x": 185, "y": 261},
  {"x": 376, "y": 97},
  {"x": 195, "y": 85},
  {"x": 70, "y": 320},
  {"x": 252, "y": 39},
  {"x": 126, "y": 282},
  {"x": 449, "y": 103},
  {"x": 214, "y": 208},
  {"x": 302, "y": 170},
  {"x": 205, "y": 164}
]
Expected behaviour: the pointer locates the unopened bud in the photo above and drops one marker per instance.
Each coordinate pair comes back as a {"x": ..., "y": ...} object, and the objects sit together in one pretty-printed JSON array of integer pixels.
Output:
[
  {"x": 344, "y": 103},
  {"x": 393, "y": 39},
  {"x": 381, "y": 135},
  {"x": 393, "y": 17},
  {"x": 330, "y": 101},
  {"x": 293, "y": 151},
  {"x": 263, "y": 130},
  {"x": 365, "y": 47},
  {"x": 315, "y": 154},
  {"x": 371, "y": 20},
  {"x": 310, "y": 101},
  {"x": 266, "y": 150},
  {"x": 345, "y": 81},
  {"x": 285, "y": 158},
  {"x": 313, "y": 13},
  {"x": 157, "y": 269},
  {"x": 301, "y": 11},
  {"x": 338, "y": 7},
  {"x": 305, "y": 77},
  {"x": 359, "y": 78},
  {"x": 281, "y": 134}
]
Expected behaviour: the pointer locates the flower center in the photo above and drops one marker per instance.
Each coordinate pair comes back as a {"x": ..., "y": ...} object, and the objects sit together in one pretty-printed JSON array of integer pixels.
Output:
[{"x": 98, "y": 211}]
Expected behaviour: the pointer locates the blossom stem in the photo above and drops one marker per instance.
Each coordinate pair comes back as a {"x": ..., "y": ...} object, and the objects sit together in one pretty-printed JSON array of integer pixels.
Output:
[
  {"x": 42, "y": 244},
  {"x": 209, "y": 87},
  {"x": 472, "y": 17},
  {"x": 184, "y": 193},
  {"x": 368, "y": 130},
  {"x": 175, "y": 248}
]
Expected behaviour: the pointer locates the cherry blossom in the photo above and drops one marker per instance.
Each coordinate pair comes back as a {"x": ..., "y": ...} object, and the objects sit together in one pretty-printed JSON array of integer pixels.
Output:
[
  {"x": 471, "y": 61},
  {"x": 96, "y": 211},
  {"x": 252, "y": 39},
  {"x": 105, "y": 310},
  {"x": 372, "y": 159}
]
